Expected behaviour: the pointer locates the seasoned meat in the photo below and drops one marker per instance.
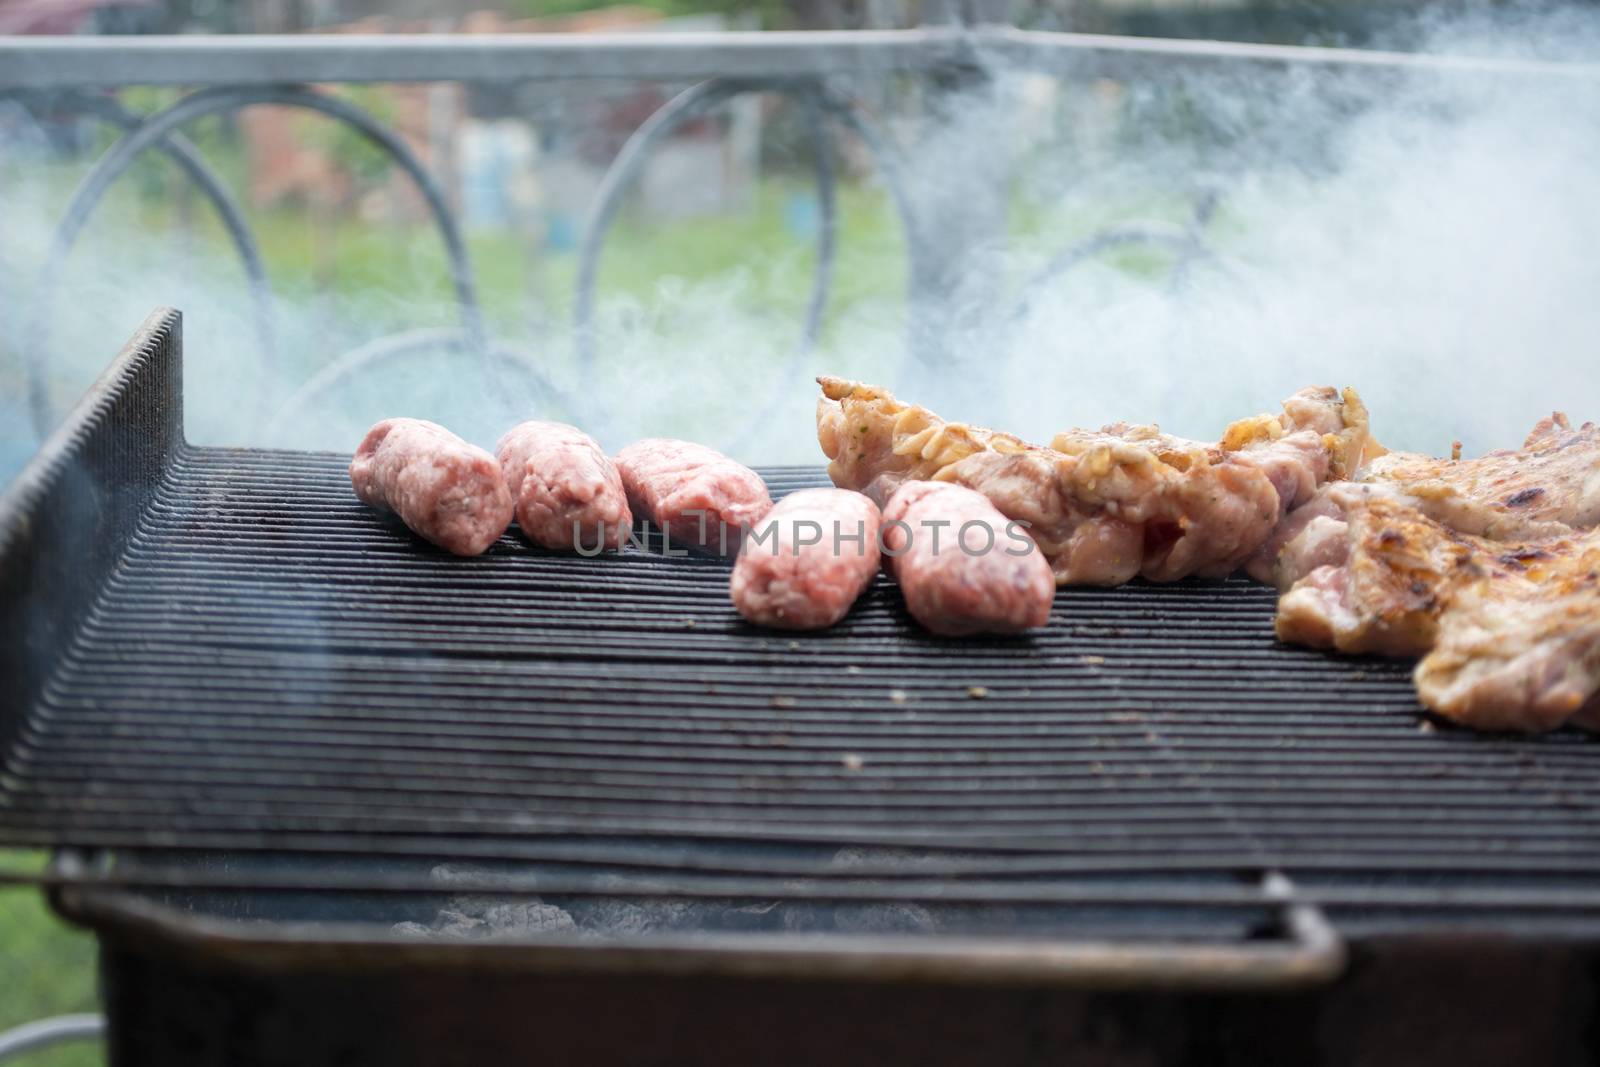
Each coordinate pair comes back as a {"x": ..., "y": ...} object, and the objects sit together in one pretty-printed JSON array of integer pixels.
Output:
[
  {"x": 568, "y": 493},
  {"x": 961, "y": 566},
  {"x": 701, "y": 497},
  {"x": 1312, "y": 535},
  {"x": 1509, "y": 632},
  {"x": 447, "y": 491},
  {"x": 808, "y": 560},
  {"x": 1385, "y": 595},
  {"x": 1509, "y": 493},
  {"x": 1106, "y": 505},
  {"x": 1548, "y": 488},
  {"x": 1524, "y": 654}
]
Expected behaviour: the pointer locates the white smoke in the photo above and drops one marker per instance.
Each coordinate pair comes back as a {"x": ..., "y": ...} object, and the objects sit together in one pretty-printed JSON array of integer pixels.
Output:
[{"x": 1429, "y": 239}]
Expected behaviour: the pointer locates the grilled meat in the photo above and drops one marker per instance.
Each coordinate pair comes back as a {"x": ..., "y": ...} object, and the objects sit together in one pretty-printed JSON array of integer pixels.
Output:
[
  {"x": 961, "y": 567},
  {"x": 568, "y": 493},
  {"x": 1387, "y": 590},
  {"x": 1525, "y": 654},
  {"x": 1548, "y": 488},
  {"x": 1312, "y": 535},
  {"x": 1506, "y": 494},
  {"x": 700, "y": 497},
  {"x": 1509, "y": 632},
  {"x": 805, "y": 563},
  {"x": 447, "y": 491},
  {"x": 1106, "y": 505}
]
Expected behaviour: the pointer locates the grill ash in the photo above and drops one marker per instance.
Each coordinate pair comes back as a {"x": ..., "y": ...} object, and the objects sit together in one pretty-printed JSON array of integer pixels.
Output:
[{"x": 599, "y": 917}]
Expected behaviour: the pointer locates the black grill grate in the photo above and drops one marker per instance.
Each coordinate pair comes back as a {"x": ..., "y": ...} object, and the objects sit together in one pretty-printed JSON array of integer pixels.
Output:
[
  {"x": 274, "y": 666},
  {"x": 273, "y": 671}
]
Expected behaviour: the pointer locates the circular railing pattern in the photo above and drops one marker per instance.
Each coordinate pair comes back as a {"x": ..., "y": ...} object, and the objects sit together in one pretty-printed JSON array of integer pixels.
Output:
[
  {"x": 588, "y": 404},
  {"x": 409, "y": 342},
  {"x": 687, "y": 106},
  {"x": 178, "y": 148},
  {"x": 156, "y": 130},
  {"x": 1187, "y": 244},
  {"x": 819, "y": 102}
]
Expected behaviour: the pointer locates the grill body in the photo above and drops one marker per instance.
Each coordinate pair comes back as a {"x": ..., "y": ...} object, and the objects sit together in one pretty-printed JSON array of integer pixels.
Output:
[
  {"x": 1463, "y": 1003},
  {"x": 275, "y": 740}
]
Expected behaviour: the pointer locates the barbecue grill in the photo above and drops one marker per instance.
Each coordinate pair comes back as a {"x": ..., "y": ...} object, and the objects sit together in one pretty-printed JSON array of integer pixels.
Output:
[{"x": 328, "y": 795}]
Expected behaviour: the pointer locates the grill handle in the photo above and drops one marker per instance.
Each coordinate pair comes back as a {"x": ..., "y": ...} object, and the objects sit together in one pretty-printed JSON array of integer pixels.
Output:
[{"x": 1310, "y": 953}]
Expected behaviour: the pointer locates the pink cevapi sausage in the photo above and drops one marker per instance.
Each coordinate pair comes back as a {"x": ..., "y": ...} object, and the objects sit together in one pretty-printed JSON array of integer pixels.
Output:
[
  {"x": 447, "y": 491},
  {"x": 961, "y": 566},
  {"x": 803, "y": 565},
  {"x": 701, "y": 497},
  {"x": 568, "y": 493}
]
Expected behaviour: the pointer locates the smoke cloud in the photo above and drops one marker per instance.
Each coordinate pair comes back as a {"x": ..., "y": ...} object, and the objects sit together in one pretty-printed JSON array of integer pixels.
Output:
[{"x": 1427, "y": 238}]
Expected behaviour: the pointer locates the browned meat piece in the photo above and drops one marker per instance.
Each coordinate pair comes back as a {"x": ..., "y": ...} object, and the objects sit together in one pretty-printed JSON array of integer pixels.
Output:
[
  {"x": 1521, "y": 655},
  {"x": 1106, "y": 505},
  {"x": 568, "y": 493},
  {"x": 808, "y": 560},
  {"x": 1509, "y": 493},
  {"x": 1509, "y": 631},
  {"x": 1398, "y": 570},
  {"x": 961, "y": 567},
  {"x": 447, "y": 491},
  {"x": 701, "y": 497},
  {"x": 1548, "y": 488}
]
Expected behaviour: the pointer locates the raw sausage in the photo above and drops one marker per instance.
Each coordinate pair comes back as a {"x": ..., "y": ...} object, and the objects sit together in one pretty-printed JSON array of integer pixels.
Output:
[
  {"x": 567, "y": 491},
  {"x": 961, "y": 566},
  {"x": 701, "y": 497},
  {"x": 805, "y": 563},
  {"x": 447, "y": 491}
]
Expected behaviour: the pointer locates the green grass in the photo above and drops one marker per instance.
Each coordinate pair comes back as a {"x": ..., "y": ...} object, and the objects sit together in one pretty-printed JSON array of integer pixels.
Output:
[
  {"x": 515, "y": 279},
  {"x": 372, "y": 279},
  {"x": 46, "y": 968}
]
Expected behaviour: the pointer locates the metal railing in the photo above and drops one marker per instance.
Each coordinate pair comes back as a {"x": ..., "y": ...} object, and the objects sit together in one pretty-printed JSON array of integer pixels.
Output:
[
  {"x": 232, "y": 73},
  {"x": 48, "y": 1033}
]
